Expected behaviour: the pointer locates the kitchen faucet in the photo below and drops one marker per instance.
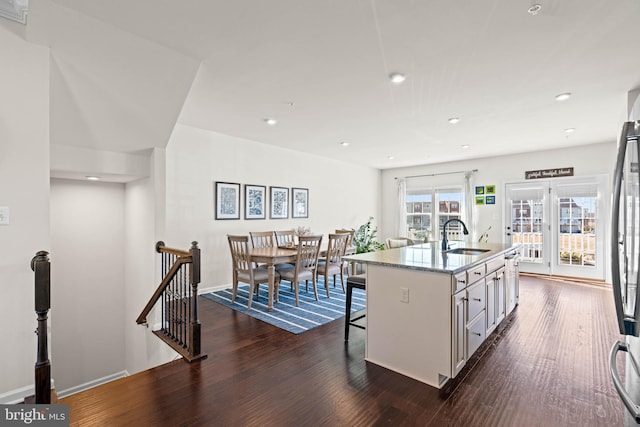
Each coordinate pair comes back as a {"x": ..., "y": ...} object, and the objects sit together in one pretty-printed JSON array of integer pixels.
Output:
[{"x": 445, "y": 244}]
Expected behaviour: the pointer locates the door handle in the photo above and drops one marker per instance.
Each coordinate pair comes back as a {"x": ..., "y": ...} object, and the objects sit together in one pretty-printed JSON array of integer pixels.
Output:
[
  {"x": 615, "y": 230},
  {"x": 633, "y": 408}
]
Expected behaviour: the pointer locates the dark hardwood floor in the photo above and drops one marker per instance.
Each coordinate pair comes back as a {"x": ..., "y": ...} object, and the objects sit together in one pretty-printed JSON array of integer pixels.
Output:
[{"x": 545, "y": 366}]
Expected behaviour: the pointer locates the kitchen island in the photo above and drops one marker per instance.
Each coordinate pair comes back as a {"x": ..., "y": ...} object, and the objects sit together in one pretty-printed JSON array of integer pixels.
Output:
[{"x": 429, "y": 310}]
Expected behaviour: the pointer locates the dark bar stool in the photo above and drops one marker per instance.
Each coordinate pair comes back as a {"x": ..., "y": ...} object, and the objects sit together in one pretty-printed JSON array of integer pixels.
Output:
[{"x": 354, "y": 281}]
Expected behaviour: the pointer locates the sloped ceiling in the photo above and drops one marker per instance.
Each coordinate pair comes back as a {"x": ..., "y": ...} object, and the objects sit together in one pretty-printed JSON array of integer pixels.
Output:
[
  {"x": 123, "y": 73},
  {"x": 110, "y": 89}
]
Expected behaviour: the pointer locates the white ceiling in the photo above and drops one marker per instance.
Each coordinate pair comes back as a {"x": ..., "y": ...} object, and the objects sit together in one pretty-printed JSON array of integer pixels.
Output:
[{"x": 320, "y": 67}]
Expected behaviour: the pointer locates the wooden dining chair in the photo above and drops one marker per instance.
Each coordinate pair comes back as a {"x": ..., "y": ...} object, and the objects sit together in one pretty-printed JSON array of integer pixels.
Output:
[
  {"x": 244, "y": 270},
  {"x": 305, "y": 267},
  {"x": 262, "y": 239},
  {"x": 285, "y": 238},
  {"x": 333, "y": 265},
  {"x": 350, "y": 232},
  {"x": 350, "y": 249}
]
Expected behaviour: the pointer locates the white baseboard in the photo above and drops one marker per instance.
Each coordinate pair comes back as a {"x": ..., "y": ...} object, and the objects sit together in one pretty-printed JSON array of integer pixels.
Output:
[
  {"x": 92, "y": 384},
  {"x": 18, "y": 395},
  {"x": 213, "y": 289}
]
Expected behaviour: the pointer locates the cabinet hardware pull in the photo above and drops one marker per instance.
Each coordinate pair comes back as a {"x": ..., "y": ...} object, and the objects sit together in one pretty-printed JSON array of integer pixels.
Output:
[
  {"x": 465, "y": 299},
  {"x": 477, "y": 334},
  {"x": 477, "y": 299},
  {"x": 477, "y": 272},
  {"x": 461, "y": 281}
]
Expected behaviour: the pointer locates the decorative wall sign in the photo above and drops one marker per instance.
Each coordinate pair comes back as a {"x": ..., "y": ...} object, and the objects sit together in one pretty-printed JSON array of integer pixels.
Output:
[
  {"x": 479, "y": 189},
  {"x": 548, "y": 173},
  {"x": 279, "y": 203},
  {"x": 255, "y": 198},
  {"x": 490, "y": 189},
  {"x": 299, "y": 203},
  {"x": 479, "y": 200},
  {"x": 491, "y": 200},
  {"x": 227, "y": 197}
]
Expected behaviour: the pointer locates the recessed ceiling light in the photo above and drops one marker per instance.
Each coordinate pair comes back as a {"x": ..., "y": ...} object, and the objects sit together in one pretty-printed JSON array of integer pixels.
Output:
[
  {"x": 563, "y": 96},
  {"x": 92, "y": 178},
  {"x": 397, "y": 78},
  {"x": 533, "y": 10},
  {"x": 454, "y": 120},
  {"x": 390, "y": 157},
  {"x": 344, "y": 144},
  {"x": 569, "y": 130},
  {"x": 270, "y": 122},
  {"x": 465, "y": 146}
]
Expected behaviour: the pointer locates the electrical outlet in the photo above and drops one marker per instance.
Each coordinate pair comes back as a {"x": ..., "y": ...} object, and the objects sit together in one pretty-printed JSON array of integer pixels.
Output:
[{"x": 404, "y": 295}]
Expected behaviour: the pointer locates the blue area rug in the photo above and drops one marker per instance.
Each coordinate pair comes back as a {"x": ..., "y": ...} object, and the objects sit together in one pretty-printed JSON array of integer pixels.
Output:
[{"x": 285, "y": 314}]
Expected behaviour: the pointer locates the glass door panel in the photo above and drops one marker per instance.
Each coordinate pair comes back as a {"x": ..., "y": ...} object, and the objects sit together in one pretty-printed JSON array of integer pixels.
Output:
[
  {"x": 527, "y": 224},
  {"x": 579, "y": 227}
]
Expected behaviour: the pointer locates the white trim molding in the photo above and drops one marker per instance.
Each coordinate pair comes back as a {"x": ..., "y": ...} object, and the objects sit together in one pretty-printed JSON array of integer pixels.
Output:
[{"x": 91, "y": 384}]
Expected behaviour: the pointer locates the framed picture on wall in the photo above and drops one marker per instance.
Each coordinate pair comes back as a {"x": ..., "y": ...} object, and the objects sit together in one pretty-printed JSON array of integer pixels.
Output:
[
  {"x": 279, "y": 203},
  {"x": 255, "y": 198},
  {"x": 300, "y": 203},
  {"x": 227, "y": 197}
]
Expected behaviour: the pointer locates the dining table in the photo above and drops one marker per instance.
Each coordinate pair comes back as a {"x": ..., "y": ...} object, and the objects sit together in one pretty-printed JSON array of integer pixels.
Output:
[
  {"x": 272, "y": 256},
  {"x": 279, "y": 255}
]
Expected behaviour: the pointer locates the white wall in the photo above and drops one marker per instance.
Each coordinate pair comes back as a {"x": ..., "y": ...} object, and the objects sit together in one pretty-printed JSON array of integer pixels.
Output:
[
  {"x": 144, "y": 226},
  {"x": 340, "y": 195},
  {"x": 24, "y": 188},
  {"x": 88, "y": 294}
]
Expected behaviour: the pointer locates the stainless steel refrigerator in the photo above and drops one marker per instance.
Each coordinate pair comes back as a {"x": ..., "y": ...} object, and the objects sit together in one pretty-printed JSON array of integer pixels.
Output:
[{"x": 625, "y": 254}]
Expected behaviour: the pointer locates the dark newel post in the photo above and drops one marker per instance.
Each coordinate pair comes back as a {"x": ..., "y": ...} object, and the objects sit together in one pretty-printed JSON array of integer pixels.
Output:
[
  {"x": 194, "y": 279},
  {"x": 41, "y": 266}
]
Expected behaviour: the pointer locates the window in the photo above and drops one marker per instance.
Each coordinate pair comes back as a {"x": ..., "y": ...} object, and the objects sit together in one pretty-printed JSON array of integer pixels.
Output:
[{"x": 434, "y": 206}]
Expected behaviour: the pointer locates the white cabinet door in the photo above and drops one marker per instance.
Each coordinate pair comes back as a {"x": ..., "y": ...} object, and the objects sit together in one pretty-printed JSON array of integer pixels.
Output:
[
  {"x": 475, "y": 335},
  {"x": 501, "y": 300},
  {"x": 459, "y": 350},
  {"x": 490, "y": 286}
]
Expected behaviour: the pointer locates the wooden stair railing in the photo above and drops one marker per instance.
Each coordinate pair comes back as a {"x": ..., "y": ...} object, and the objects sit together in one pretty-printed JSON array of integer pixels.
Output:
[
  {"x": 42, "y": 268},
  {"x": 178, "y": 295}
]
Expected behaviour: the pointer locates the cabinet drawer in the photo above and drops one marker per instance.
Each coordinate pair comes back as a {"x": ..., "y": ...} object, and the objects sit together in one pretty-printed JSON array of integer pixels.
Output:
[
  {"x": 495, "y": 264},
  {"x": 475, "y": 335},
  {"x": 476, "y": 273},
  {"x": 476, "y": 300},
  {"x": 459, "y": 282}
]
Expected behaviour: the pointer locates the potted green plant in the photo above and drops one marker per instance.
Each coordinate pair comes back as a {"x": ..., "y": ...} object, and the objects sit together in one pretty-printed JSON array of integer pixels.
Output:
[{"x": 364, "y": 239}]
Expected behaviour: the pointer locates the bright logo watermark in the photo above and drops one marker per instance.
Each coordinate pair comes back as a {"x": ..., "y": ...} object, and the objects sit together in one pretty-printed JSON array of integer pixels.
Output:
[{"x": 36, "y": 415}]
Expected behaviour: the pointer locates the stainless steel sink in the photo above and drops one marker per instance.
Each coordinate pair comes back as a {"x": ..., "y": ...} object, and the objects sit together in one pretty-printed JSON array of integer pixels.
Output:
[{"x": 467, "y": 251}]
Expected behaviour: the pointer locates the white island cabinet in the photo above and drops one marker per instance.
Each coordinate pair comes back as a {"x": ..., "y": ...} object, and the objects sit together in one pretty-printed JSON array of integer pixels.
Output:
[{"x": 428, "y": 311}]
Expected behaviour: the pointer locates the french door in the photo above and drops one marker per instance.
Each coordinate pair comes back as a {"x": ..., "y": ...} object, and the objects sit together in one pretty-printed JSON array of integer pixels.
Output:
[
  {"x": 561, "y": 225},
  {"x": 527, "y": 224}
]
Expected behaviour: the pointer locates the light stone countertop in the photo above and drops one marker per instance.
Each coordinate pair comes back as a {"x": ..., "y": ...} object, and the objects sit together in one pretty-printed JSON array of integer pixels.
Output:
[{"x": 429, "y": 256}]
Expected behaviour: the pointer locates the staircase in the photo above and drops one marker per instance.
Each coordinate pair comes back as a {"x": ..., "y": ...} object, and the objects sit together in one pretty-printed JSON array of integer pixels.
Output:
[{"x": 177, "y": 295}]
